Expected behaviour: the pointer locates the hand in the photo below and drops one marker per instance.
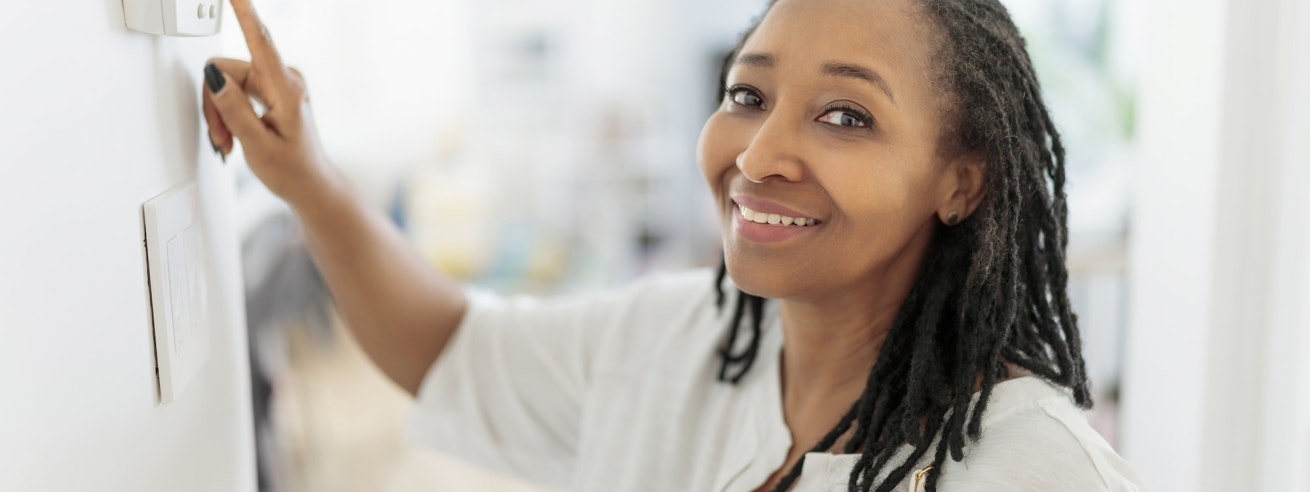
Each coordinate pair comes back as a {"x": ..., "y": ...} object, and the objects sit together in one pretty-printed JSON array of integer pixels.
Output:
[{"x": 282, "y": 147}]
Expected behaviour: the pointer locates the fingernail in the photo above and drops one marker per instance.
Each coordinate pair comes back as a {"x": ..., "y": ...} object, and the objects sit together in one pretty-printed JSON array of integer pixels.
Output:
[{"x": 214, "y": 78}]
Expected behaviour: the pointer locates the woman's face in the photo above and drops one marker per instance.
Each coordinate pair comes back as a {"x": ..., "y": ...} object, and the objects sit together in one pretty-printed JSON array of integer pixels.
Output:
[{"x": 830, "y": 118}]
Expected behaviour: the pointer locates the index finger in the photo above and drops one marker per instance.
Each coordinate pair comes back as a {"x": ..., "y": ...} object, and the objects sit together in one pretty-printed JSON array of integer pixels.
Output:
[{"x": 262, "y": 52}]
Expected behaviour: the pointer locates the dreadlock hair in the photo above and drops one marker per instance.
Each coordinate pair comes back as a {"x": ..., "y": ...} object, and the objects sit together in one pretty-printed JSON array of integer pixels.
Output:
[{"x": 992, "y": 288}]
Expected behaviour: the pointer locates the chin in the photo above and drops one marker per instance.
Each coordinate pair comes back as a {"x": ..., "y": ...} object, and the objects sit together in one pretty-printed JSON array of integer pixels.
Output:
[{"x": 760, "y": 279}]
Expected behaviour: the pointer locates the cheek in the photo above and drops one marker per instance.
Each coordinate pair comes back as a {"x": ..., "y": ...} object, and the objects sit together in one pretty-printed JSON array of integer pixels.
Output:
[
  {"x": 717, "y": 150},
  {"x": 883, "y": 199}
]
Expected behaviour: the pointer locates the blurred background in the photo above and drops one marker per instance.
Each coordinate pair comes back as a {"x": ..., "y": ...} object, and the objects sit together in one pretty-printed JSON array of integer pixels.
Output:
[{"x": 548, "y": 148}]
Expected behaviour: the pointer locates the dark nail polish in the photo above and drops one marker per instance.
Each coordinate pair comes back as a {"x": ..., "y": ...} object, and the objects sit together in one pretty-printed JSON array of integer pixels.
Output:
[{"x": 214, "y": 78}]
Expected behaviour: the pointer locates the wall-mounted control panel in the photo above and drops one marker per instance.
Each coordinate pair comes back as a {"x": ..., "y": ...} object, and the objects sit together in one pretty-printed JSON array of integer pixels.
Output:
[
  {"x": 174, "y": 17},
  {"x": 176, "y": 259}
]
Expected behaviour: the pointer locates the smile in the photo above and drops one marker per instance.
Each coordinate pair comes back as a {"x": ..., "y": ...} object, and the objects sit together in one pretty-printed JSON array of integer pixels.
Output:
[{"x": 774, "y": 219}]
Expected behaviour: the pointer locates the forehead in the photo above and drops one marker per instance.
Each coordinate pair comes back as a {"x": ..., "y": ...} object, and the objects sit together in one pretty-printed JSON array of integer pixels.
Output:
[{"x": 889, "y": 36}]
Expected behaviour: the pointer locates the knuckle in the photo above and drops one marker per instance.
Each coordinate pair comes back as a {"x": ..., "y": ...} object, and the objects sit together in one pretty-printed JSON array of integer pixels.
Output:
[{"x": 226, "y": 105}]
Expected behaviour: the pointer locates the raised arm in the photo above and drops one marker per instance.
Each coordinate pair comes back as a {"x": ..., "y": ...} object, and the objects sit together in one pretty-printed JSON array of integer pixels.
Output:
[{"x": 400, "y": 310}]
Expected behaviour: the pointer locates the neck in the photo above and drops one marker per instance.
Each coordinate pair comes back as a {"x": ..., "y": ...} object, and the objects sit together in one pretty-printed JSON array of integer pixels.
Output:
[
  {"x": 829, "y": 351},
  {"x": 831, "y": 343}
]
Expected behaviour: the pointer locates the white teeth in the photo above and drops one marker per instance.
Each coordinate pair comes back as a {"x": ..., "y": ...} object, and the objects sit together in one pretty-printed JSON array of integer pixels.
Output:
[{"x": 773, "y": 219}]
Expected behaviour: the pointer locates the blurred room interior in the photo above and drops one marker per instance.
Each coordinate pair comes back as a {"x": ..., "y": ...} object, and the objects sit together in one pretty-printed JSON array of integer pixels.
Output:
[
  {"x": 547, "y": 148},
  {"x": 523, "y": 154}
]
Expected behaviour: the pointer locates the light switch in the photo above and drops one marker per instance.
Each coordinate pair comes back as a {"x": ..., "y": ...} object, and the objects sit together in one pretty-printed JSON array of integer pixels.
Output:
[
  {"x": 174, "y": 17},
  {"x": 178, "y": 298},
  {"x": 175, "y": 255}
]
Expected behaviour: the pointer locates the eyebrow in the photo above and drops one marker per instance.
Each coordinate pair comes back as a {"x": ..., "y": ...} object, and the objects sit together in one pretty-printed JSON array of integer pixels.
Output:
[
  {"x": 835, "y": 69},
  {"x": 755, "y": 60},
  {"x": 853, "y": 71}
]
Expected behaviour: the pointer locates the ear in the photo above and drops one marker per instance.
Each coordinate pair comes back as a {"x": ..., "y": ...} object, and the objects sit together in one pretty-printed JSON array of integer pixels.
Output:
[{"x": 963, "y": 187}]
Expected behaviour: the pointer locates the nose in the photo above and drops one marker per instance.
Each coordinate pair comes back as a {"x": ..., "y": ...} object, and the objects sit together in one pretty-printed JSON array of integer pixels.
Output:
[{"x": 774, "y": 151}]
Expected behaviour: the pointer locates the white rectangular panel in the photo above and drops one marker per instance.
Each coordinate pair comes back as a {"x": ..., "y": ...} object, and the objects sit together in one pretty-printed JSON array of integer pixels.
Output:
[{"x": 175, "y": 255}]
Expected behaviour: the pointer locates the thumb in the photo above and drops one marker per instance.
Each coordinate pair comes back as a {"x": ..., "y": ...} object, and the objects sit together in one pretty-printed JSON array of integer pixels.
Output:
[{"x": 234, "y": 107}]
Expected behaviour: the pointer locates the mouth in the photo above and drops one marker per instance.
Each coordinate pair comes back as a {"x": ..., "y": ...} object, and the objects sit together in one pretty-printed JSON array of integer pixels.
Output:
[
  {"x": 774, "y": 219},
  {"x": 761, "y": 221}
]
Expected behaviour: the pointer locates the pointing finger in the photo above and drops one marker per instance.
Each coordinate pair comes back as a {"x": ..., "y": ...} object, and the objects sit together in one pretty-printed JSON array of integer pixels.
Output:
[{"x": 262, "y": 52}]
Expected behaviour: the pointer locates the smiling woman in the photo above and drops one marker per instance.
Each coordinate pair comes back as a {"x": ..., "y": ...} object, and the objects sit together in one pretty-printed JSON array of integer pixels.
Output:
[
  {"x": 889, "y": 273},
  {"x": 887, "y": 177}
]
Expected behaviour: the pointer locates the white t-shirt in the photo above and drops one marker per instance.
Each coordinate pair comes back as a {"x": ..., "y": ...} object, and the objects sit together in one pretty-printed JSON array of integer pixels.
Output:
[{"x": 618, "y": 392}]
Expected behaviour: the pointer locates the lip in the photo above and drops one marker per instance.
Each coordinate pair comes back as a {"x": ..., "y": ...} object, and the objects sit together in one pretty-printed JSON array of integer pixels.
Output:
[{"x": 766, "y": 233}]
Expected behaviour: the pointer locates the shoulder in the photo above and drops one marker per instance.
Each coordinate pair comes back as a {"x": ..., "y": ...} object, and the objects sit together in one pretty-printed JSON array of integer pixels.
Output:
[
  {"x": 656, "y": 299},
  {"x": 670, "y": 289},
  {"x": 655, "y": 292},
  {"x": 1034, "y": 438},
  {"x": 656, "y": 311},
  {"x": 619, "y": 327}
]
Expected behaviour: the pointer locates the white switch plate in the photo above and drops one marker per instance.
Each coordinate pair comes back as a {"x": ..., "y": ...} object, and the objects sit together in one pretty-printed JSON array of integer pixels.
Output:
[
  {"x": 175, "y": 253},
  {"x": 174, "y": 17}
]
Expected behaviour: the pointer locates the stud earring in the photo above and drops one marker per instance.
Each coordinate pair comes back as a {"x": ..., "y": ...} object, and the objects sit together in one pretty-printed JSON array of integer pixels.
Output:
[{"x": 952, "y": 218}]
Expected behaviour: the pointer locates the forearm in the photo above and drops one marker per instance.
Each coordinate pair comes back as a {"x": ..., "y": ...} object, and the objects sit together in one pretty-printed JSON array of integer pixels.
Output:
[{"x": 400, "y": 310}]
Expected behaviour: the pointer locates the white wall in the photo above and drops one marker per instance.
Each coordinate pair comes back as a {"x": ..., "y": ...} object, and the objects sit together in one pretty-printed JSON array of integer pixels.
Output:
[
  {"x": 1172, "y": 241},
  {"x": 94, "y": 121},
  {"x": 1216, "y": 388},
  {"x": 1286, "y": 421}
]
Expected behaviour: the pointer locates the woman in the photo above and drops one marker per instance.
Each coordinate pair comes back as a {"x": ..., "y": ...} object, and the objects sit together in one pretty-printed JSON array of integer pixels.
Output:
[{"x": 887, "y": 176}]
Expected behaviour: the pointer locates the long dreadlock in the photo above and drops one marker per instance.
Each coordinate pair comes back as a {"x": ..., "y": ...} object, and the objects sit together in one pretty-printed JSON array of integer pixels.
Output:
[{"x": 992, "y": 289}]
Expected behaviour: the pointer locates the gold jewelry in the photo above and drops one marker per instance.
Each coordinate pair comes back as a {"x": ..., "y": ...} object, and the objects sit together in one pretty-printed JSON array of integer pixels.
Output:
[{"x": 920, "y": 482}]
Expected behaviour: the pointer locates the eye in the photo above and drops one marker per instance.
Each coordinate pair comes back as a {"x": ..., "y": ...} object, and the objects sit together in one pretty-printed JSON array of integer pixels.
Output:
[
  {"x": 846, "y": 116},
  {"x": 745, "y": 96}
]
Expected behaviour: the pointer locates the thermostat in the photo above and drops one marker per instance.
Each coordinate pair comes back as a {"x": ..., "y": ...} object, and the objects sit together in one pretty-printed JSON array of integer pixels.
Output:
[{"x": 174, "y": 17}]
